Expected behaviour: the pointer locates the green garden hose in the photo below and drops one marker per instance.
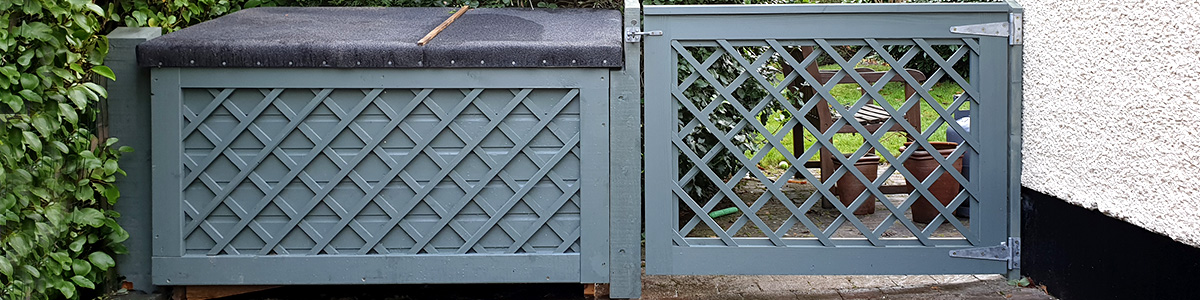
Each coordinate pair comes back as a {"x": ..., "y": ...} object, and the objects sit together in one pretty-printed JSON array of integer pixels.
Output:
[{"x": 723, "y": 212}]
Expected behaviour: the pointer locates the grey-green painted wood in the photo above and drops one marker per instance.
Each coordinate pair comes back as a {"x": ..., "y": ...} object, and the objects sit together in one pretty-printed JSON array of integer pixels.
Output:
[
  {"x": 864, "y": 260},
  {"x": 320, "y": 167},
  {"x": 668, "y": 251},
  {"x": 129, "y": 120},
  {"x": 165, "y": 99},
  {"x": 626, "y": 158},
  {"x": 1016, "y": 90},
  {"x": 338, "y": 270},
  {"x": 829, "y": 9}
]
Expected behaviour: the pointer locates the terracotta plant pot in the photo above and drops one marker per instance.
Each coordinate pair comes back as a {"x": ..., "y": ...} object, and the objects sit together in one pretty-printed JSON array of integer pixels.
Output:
[
  {"x": 921, "y": 164},
  {"x": 849, "y": 187}
]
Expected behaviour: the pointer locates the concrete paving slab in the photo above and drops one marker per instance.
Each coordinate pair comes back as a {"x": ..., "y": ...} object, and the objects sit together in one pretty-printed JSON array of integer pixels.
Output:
[
  {"x": 954, "y": 279},
  {"x": 830, "y": 282},
  {"x": 862, "y": 281},
  {"x": 913, "y": 280},
  {"x": 917, "y": 287},
  {"x": 861, "y": 293},
  {"x": 784, "y": 283}
]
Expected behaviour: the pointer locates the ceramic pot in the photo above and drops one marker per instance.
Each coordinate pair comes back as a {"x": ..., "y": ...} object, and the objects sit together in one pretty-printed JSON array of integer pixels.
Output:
[
  {"x": 849, "y": 187},
  {"x": 921, "y": 164}
]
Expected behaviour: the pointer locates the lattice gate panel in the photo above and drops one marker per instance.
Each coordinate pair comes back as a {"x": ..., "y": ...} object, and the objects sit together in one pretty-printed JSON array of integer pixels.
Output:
[
  {"x": 721, "y": 84},
  {"x": 294, "y": 171},
  {"x": 820, "y": 146}
]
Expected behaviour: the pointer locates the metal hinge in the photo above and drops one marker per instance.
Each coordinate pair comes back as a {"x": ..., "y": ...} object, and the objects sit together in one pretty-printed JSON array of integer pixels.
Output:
[
  {"x": 1013, "y": 29},
  {"x": 633, "y": 35},
  {"x": 1010, "y": 252}
]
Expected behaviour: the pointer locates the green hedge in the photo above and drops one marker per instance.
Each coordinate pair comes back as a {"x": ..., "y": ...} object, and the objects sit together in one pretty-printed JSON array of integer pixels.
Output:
[{"x": 56, "y": 235}]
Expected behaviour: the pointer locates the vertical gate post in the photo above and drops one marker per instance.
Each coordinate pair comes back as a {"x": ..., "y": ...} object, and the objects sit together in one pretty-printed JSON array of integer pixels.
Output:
[
  {"x": 128, "y": 113},
  {"x": 1016, "y": 65},
  {"x": 625, "y": 263}
]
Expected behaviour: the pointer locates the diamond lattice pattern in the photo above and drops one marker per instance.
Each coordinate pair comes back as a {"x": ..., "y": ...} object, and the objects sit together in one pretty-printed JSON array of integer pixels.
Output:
[
  {"x": 737, "y": 100},
  {"x": 381, "y": 171}
]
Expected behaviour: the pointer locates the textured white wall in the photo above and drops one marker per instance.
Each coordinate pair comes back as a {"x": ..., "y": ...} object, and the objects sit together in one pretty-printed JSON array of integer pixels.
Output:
[{"x": 1112, "y": 109}]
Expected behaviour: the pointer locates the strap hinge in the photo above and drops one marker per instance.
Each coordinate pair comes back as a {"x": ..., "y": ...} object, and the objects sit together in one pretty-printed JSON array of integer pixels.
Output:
[
  {"x": 1007, "y": 251},
  {"x": 1013, "y": 29}
]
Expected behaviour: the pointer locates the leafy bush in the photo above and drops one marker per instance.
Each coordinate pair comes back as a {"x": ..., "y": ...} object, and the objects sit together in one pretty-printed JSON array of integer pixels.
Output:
[{"x": 56, "y": 233}]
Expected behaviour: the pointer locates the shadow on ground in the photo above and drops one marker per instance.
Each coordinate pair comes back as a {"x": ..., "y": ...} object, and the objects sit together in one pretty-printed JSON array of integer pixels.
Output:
[{"x": 421, "y": 292}]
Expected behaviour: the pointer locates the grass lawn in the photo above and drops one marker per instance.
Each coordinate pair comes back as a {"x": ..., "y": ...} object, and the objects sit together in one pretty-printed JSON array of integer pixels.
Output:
[{"x": 848, "y": 142}]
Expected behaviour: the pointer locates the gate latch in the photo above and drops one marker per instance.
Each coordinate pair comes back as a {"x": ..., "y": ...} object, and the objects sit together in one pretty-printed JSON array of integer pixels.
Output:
[
  {"x": 633, "y": 35},
  {"x": 1012, "y": 29},
  {"x": 1009, "y": 251}
]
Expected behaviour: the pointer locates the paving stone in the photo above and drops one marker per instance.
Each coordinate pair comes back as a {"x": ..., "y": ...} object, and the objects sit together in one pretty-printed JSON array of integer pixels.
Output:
[
  {"x": 861, "y": 293},
  {"x": 984, "y": 277},
  {"x": 736, "y": 284},
  {"x": 830, "y": 282},
  {"x": 720, "y": 296},
  {"x": 770, "y": 295},
  {"x": 784, "y": 283},
  {"x": 914, "y": 280},
  {"x": 909, "y": 290},
  {"x": 818, "y": 295},
  {"x": 954, "y": 279},
  {"x": 871, "y": 281}
]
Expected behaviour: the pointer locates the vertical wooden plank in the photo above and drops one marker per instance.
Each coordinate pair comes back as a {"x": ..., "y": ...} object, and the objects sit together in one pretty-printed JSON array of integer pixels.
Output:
[
  {"x": 166, "y": 121},
  {"x": 625, "y": 148},
  {"x": 128, "y": 108},
  {"x": 595, "y": 169},
  {"x": 659, "y": 75},
  {"x": 1016, "y": 67}
]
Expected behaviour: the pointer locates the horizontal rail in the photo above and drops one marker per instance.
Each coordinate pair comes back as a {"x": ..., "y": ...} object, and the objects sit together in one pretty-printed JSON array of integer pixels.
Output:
[{"x": 776, "y": 9}]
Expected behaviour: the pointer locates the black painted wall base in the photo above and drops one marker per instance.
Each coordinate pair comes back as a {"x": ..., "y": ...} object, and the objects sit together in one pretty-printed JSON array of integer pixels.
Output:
[{"x": 1079, "y": 253}]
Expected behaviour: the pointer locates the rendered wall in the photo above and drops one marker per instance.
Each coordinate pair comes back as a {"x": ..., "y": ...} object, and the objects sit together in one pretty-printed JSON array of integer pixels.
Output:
[{"x": 1111, "y": 109}]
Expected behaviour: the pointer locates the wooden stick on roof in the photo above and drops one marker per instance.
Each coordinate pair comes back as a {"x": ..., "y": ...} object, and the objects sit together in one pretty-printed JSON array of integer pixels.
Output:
[{"x": 433, "y": 33}]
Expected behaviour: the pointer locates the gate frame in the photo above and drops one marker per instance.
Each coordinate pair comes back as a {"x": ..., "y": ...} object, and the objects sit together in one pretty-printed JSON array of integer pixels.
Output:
[{"x": 1010, "y": 85}]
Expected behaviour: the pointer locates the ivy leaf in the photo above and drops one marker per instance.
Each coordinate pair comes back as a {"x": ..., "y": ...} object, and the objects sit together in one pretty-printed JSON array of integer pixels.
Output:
[
  {"x": 31, "y": 96},
  {"x": 5, "y": 267},
  {"x": 29, "y": 81},
  {"x": 89, "y": 216},
  {"x": 40, "y": 192},
  {"x": 118, "y": 234},
  {"x": 23, "y": 176},
  {"x": 125, "y": 149},
  {"x": 42, "y": 123},
  {"x": 13, "y": 101},
  {"x": 95, "y": 8},
  {"x": 62, "y": 148},
  {"x": 83, "y": 282},
  {"x": 112, "y": 193},
  {"x": 19, "y": 245},
  {"x": 96, "y": 88},
  {"x": 68, "y": 113},
  {"x": 32, "y": 7},
  {"x": 104, "y": 71},
  {"x": 78, "y": 96},
  {"x": 61, "y": 257},
  {"x": 9, "y": 71},
  {"x": 77, "y": 245},
  {"x": 101, "y": 260},
  {"x": 35, "y": 30},
  {"x": 81, "y": 267},
  {"x": 67, "y": 290},
  {"x": 32, "y": 141},
  {"x": 25, "y": 58},
  {"x": 33, "y": 271}
]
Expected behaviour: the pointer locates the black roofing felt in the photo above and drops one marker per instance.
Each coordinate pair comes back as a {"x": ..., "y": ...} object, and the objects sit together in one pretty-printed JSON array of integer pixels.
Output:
[{"x": 346, "y": 37}]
